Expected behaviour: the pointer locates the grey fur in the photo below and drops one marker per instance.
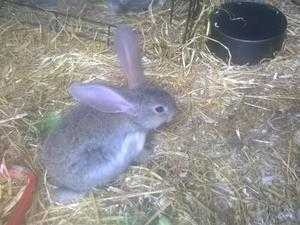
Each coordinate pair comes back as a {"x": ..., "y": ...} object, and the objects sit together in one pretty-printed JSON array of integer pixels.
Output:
[{"x": 86, "y": 149}]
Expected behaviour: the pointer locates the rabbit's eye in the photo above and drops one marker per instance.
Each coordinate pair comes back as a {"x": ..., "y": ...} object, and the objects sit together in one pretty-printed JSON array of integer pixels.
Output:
[{"x": 159, "y": 109}]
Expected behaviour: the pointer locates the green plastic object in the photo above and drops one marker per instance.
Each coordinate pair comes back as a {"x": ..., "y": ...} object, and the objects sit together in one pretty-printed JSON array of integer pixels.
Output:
[
  {"x": 47, "y": 124},
  {"x": 164, "y": 221}
]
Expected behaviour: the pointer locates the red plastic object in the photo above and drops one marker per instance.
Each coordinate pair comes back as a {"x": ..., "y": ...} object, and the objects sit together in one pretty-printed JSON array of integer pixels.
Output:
[{"x": 17, "y": 217}]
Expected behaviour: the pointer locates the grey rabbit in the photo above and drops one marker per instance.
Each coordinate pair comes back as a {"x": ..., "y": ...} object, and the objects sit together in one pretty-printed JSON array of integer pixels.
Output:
[
  {"x": 105, "y": 132},
  {"x": 124, "y": 6}
]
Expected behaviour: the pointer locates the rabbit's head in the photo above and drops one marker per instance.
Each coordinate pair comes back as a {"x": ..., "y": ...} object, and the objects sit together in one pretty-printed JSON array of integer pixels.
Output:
[{"x": 147, "y": 105}]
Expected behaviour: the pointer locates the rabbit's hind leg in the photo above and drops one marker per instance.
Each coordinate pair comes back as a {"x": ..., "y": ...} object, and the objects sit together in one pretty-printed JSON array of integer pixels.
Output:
[{"x": 66, "y": 196}]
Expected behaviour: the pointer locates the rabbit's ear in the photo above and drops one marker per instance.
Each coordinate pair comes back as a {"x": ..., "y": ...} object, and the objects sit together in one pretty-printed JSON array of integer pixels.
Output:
[
  {"x": 101, "y": 98},
  {"x": 126, "y": 45}
]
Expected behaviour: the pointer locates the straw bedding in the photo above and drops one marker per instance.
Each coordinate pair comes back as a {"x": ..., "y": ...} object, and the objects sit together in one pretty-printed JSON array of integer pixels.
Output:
[{"x": 228, "y": 158}]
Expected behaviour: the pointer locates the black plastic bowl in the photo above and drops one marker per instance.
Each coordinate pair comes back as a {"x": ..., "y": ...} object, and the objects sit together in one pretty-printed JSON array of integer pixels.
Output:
[{"x": 251, "y": 31}]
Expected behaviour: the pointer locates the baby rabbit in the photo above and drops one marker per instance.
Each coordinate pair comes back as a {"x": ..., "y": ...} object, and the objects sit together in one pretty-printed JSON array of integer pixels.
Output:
[
  {"x": 124, "y": 6},
  {"x": 105, "y": 132}
]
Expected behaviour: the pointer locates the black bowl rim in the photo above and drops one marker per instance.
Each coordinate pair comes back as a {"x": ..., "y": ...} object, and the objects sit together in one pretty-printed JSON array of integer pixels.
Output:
[{"x": 248, "y": 40}]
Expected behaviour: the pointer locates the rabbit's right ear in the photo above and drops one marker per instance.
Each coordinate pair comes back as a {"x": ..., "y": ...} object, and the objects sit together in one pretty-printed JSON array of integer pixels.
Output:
[
  {"x": 126, "y": 45},
  {"x": 101, "y": 98}
]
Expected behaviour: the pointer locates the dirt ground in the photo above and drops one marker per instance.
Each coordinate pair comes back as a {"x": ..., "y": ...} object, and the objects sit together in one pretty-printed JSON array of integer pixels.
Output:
[{"x": 229, "y": 158}]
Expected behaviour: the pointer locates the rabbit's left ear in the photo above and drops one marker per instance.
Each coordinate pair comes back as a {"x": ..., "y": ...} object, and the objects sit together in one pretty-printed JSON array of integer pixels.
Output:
[
  {"x": 102, "y": 98},
  {"x": 126, "y": 45}
]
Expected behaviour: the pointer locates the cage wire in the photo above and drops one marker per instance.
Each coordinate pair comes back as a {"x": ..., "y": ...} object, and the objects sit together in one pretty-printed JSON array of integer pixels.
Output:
[{"x": 29, "y": 13}]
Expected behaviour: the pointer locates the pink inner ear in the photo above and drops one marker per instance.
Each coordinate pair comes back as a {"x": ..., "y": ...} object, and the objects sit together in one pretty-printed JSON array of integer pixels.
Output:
[
  {"x": 126, "y": 45},
  {"x": 101, "y": 98}
]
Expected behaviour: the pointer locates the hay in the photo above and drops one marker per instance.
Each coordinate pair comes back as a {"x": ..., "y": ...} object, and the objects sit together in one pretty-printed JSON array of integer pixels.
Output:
[{"x": 228, "y": 158}]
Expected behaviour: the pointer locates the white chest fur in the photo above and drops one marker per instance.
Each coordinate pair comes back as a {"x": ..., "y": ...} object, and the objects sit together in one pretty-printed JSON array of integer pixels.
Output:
[
  {"x": 131, "y": 147},
  {"x": 133, "y": 144}
]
